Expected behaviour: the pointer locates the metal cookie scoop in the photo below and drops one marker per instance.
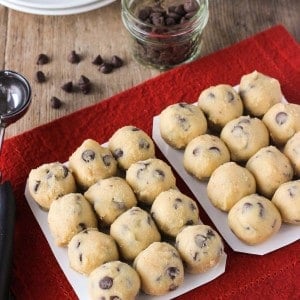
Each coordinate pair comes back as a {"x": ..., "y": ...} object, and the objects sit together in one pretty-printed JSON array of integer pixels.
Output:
[{"x": 15, "y": 97}]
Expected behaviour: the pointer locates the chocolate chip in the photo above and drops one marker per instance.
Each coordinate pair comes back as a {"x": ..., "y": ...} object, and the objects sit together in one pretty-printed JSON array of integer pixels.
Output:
[
  {"x": 65, "y": 171},
  {"x": 80, "y": 257},
  {"x": 173, "y": 272},
  {"x": 40, "y": 77},
  {"x": 190, "y": 5},
  {"x": 55, "y": 102},
  {"x": 200, "y": 240},
  {"x": 292, "y": 191},
  {"x": 106, "y": 283},
  {"x": 246, "y": 207},
  {"x": 180, "y": 10},
  {"x": 210, "y": 233},
  {"x": 144, "y": 144},
  {"x": 189, "y": 222},
  {"x": 106, "y": 68},
  {"x": 173, "y": 287},
  {"x": 73, "y": 57},
  {"x": 215, "y": 150},
  {"x": 160, "y": 174},
  {"x": 183, "y": 122},
  {"x": 78, "y": 244},
  {"x": 195, "y": 256},
  {"x": 67, "y": 87},
  {"x": 84, "y": 84},
  {"x": 230, "y": 96},
  {"x": 144, "y": 13},
  {"x": 82, "y": 226},
  {"x": 88, "y": 155},
  {"x": 37, "y": 185},
  {"x": 97, "y": 60},
  {"x": 196, "y": 151},
  {"x": 261, "y": 209},
  {"x": 116, "y": 61},
  {"x": 118, "y": 153},
  {"x": 135, "y": 129},
  {"x": 211, "y": 95},
  {"x": 114, "y": 297},
  {"x": 281, "y": 118},
  {"x": 42, "y": 59},
  {"x": 107, "y": 159}
]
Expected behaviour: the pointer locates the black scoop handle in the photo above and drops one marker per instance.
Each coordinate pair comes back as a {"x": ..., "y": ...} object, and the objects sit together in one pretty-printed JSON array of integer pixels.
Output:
[{"x": 7, "y": 223}]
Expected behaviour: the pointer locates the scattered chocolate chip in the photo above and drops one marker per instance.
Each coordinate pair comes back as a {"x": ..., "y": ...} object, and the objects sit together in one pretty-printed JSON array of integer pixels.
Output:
[
  {"x": 118, "y": 153},
  {"x": 73, "y": 57},
  {"x": 116, "y": 61},
  {"x": 40, "y": 77},
  {"x": 144, "y": 144},
  {"x": 215, "y": 150},
  {"x": 189, "y": 222},
  {"x": 42, "y": 59},
  {"x": 65, "y": 171},
  {"x": 261, "y": 209},
  {"x": 107, "y": 160},
  {"x": 196, "y": 151},
  {"x": 67, "y": 87},
  {"x": 88, "y": 155},
  {"x": 106, "y": 68},
  {"x": 230, "y": 96},
  {"x": 97, "y": 60},
  {"x": 106, "y": 283},
  {"x": 82, "y": 226},
  {"x": 78, "y": 244},
  {"x": 200, "y": 240},
  {"x": 159, "y": 174},
  {"x": 55, "y": 102},
  {"x": 80, "y": 257},
  {"x": 210, "y": 233},
  {"x": 84, "y": 84},
  {"x": 246, "y": 207}
]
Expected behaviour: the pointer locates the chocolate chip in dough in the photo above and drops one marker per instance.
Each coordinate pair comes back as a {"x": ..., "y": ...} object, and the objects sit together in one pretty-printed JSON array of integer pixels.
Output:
[
  {"x": 173, "y": 272},
  {"x": 106, "y": 283},
  {"x": 88, "y": 155},
  {"x": 281, "y": 118}
]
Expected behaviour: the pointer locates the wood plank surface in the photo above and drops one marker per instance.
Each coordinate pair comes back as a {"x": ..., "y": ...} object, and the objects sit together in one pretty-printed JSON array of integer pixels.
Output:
[{"x": 23, "y": 36}]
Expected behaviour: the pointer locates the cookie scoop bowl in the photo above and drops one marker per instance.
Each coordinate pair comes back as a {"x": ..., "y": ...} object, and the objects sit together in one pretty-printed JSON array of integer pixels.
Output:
[{"x": 163, "y": 33}]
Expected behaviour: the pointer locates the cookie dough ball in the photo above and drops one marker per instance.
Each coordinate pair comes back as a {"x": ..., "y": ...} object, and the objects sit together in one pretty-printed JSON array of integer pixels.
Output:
[
  {"x": 270, "y": 168},
  {"x": 50, "y": 181},
  {"x": 90, "y": 249},
  {"x": 114, "y": 280},
  {"x": 69, "y": 215},
  {"x": 204, "y": 154},
  {"x": 259, "y": 92},
  {"x": 172, "y": 210},
  {"x": 254, "y": 219},
  {"x": 283, "y": 121},
  {"x": 130, "y": 144},
  {"x": 160, "y": 268},
  {"x": 228, "y": 184},
  {"x": 292, "y": 151},
  {"x": 200, "y": 247},
  {"x": 110, "y": 197},
  {"x": 134, "y": 231},
  {"x": 244, "y": 136},
  {"x": 149, "y": 178},
  {"x": 180, "y": 123},
  {"x": 287, "y": 200},
  {"x": 220, "y": 104},
  {"x": 92, "y": 162}
]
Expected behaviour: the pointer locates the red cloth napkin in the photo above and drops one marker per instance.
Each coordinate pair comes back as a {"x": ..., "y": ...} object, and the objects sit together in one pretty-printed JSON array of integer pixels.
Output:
[{"x": 36, "y": 274}]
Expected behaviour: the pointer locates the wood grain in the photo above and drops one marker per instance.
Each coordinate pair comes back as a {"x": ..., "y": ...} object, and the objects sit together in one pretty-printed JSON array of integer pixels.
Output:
[{"x": 24, "y": 36}]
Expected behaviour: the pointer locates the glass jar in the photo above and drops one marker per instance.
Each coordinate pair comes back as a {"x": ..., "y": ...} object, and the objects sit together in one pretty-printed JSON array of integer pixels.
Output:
[{"x": 165, "y": 33}]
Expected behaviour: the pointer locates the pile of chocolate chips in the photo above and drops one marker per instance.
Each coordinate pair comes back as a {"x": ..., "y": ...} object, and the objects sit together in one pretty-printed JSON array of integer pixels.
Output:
[
  {"x": 84, "y": 84},
  {"x": 175, "y": 14},
  {"x": 165, "y": 20}
]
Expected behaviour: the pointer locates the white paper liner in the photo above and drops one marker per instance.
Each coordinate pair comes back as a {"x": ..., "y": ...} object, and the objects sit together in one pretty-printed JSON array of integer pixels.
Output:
[
  {"x": 79, "y": 282},
  {"x": 287, "y": 234}
]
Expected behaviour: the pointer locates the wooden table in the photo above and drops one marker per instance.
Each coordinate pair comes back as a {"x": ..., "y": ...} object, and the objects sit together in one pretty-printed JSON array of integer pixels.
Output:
[{"x": 23, "y": 36}]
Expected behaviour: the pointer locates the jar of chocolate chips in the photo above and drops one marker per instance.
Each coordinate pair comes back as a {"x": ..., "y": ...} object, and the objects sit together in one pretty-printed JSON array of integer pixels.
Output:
[{"x": 165, "y": 33}]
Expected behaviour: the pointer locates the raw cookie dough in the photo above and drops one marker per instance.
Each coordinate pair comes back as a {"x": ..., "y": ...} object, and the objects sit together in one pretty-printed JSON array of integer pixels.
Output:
[
  {"x": 200, "y": 247},
  {"x": 130, "y": 144},
  {"x": 160, "y": 268},
  {"x": 149, "y": 178},
  {"x": 292, "y": 151},
  {"x": 270, "y": 168},
  {"x": 69, "y": 215},
  {"x": 287, "y": 200},
  {"x": 50, "y": 181},
  {"x": 180, "y": 123},
  {"x": 283, "y": 121},
  {"x": 244, "y": 136},
  {"x": 228, "y": 184},
  {"x": 172, "y": 210},
  {"x": 91, "y": 162},
  {"x": 110, "y": 197},
  {"x": 259, "y": 92},
  {"x": 254, "y": 219},
  {"x": 220, "y": 104},
  {"x": 204, "y": 154},
  {"x": 90, "y": 249},
  {"x": 134, "y": 231},
  {"x": 114, "y": 280}
]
